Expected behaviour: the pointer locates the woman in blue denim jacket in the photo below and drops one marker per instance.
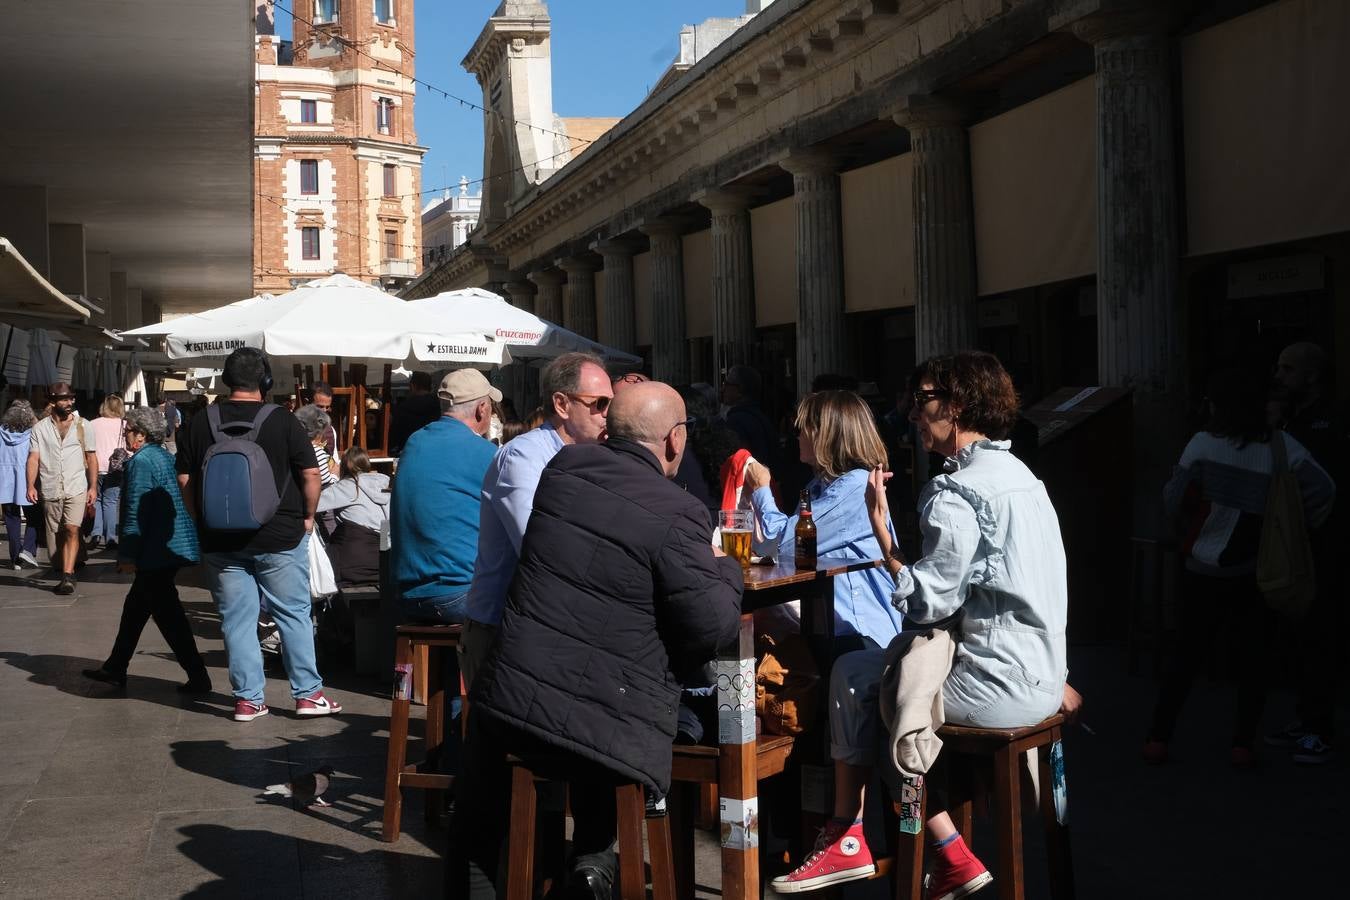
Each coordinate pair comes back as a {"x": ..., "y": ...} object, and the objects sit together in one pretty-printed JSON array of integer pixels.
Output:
[
  {"x": 838, "y": 439},
  {"x": 992, "y": 556}
]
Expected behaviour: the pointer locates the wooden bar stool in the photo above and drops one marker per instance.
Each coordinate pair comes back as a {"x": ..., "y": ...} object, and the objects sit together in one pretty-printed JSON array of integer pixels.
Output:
[
  {"x": 694, "y": 767},
  {"x": 1006, "y": 747},
  {"x": 631, "y": 809},
  {"x": 416, "y": 647}
]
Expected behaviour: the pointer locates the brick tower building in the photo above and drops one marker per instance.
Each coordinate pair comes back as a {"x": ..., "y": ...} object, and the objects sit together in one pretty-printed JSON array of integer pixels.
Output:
[{"x": 337, "y": 166}]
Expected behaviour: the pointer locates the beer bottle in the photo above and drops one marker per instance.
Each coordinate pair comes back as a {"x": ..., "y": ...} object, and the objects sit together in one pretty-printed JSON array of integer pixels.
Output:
[{"x": 805, "y": 534}]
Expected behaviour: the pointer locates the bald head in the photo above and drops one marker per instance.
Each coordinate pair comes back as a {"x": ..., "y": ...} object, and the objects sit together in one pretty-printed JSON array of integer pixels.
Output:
[{"x": 648, "y": 414}]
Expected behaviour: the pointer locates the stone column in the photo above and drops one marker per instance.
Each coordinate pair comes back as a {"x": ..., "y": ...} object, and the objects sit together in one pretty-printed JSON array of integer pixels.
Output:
[
  {"x": 733, "y": 277},
  {"x": 617, "y": 325},
  {"x": 548, "y": 298},
  {"x": 670, "y": 344},
  {"x": 1137, "y": 246},
  {"x": 820, "y": 266},
  {"x": 944, "y": 236},
  {"x": 1138, "y": 320},
  {"x": 521, "y": 295},
  {"x": 579, "y": 295}
]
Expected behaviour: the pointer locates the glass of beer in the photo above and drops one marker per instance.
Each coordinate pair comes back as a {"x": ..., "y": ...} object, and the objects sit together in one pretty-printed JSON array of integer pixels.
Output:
[{"x": 735, "y": 526}]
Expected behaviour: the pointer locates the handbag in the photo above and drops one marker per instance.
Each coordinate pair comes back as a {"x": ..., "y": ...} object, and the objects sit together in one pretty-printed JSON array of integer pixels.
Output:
[
  {"x": 1284, "y": 560},
  {"x": 322, "y": 582},
  {"x": 118, "y": 460}
]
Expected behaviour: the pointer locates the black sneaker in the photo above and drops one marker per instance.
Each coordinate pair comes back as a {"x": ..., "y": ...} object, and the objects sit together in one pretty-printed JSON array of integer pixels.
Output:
[
  {"x": 1287, "y": 737},
  {"x": 65, "y": 586},
  {"x": 1311, "y": 750},
  {"x": 196, "y": 686},
  {"x": 103, "y": 675}
]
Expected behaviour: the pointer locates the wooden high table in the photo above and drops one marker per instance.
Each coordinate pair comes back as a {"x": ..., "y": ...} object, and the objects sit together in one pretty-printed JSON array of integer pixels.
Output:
[{"x": 736, "y": 760}]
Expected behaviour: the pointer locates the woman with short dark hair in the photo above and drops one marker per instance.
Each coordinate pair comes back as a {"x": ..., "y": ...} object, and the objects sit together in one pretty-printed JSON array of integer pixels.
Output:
[
  {"x": 993, "y": 556},
  {"x": 157, "y": 539}
]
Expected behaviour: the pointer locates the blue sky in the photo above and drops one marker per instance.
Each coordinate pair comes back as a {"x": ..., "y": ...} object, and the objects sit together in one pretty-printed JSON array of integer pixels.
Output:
[{"x": 606, "y": 55}]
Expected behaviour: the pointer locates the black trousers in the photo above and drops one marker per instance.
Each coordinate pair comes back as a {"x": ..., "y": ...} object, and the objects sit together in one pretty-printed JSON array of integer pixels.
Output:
[
  {"x": 483, "y": 801},
  {"x": 1209, "y": 606},
  {"x": 153, "y": 595}
]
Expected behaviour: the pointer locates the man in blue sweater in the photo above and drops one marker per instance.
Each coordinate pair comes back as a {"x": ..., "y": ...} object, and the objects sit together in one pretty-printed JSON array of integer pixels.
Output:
[{"x": 434, "y": 519}]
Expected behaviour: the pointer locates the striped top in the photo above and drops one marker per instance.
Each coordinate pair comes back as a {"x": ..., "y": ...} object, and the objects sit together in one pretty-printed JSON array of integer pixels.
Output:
[
  {"x": 1219, "y": 490},
  {"x": 327, "y": 471}
]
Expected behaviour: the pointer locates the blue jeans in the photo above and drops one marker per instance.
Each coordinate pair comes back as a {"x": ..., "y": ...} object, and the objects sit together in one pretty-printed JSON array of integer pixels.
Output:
[
  {"x": 237, "y": 581},
  {"x": 107, "y": 509},
  {"x": 443, "y": 609}
]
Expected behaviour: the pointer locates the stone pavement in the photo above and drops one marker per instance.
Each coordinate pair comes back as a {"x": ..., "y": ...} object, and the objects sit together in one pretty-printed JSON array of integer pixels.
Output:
[{"x": 142, "y": 794}]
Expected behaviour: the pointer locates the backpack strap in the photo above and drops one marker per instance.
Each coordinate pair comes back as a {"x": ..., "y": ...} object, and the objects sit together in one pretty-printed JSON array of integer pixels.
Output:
[{"x": 217, "y": 429}]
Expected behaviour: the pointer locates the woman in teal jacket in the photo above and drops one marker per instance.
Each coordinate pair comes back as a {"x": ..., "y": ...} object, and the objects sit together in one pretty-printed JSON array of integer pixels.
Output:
[{"x": 157, "y": 538}]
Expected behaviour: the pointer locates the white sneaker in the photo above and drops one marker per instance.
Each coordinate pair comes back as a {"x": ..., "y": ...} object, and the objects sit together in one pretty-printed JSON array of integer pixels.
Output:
[{"x": 27, "y": 559}]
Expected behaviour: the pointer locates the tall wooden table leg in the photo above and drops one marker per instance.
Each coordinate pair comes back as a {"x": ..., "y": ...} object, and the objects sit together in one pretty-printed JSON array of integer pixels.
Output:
[{"x": 736, "y": 766}]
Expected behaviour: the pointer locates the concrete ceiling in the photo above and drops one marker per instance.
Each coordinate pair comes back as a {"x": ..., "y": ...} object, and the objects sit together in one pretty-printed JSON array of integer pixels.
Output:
[{"x": 137, "y": 116}]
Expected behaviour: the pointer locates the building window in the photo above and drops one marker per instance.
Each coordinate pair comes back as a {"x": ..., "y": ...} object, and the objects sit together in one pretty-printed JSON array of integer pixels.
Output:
[
  {"x": 391, "y": 245},
  {"x": 309, "y": 176},
  {"x": 325, "y": 12},
  {"x": 309, "y": 242},
  {"x": 384, "y": 115},
  {"x": 384, "y": 11},
  {"x": 309, "y": 111},
  {"x": 390, "y": 181}
]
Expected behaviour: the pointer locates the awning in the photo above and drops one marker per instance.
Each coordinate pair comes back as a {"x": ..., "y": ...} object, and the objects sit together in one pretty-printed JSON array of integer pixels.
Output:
[{"x": 28, "y": 300}]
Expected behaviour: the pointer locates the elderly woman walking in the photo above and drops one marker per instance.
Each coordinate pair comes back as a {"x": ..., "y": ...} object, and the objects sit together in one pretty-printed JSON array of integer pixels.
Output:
[
  {"x": 21, "y": 517},
  {"x": 158, "y": 538}
]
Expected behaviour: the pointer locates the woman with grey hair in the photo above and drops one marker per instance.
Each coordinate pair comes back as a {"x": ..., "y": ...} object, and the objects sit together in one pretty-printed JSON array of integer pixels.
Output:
[
  {"x": 315, "y": 422},
  {"x": 158, "y": 538},
  {"x": 20, "y": 516}
]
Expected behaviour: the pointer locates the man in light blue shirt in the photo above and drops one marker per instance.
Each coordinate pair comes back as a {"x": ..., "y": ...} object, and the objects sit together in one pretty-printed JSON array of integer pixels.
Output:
[{"x": 577, "y": 390}]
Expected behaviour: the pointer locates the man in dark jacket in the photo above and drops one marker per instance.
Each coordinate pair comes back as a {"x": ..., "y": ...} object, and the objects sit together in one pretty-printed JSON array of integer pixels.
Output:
[{"x": 618, "y": 585}]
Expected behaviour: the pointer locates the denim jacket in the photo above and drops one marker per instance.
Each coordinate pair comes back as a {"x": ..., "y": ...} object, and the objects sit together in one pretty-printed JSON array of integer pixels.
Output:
[
  {"x": 843, "y": 529},
  {"x": 993, "y": 554}
]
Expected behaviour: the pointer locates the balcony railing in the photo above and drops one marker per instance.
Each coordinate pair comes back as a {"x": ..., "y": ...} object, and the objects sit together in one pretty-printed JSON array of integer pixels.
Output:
[{"x": 398, "y": 268}]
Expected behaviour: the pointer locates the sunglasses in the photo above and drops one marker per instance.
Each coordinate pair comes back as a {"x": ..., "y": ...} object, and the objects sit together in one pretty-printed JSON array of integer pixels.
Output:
[
  {"x": 921, "y": 398},
  {"x": 592, "y": 402},
  {"x": 687, "y": 423},
  {"x": 630, "y": 378}
]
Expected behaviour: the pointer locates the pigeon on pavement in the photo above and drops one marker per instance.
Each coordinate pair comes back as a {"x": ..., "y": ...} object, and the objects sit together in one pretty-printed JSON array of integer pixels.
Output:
[{"x": 308, "y": 788}]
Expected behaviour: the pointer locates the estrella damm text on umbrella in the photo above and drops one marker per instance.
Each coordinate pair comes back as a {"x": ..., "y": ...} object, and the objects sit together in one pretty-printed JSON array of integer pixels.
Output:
[{"x": 455, "y": 350}]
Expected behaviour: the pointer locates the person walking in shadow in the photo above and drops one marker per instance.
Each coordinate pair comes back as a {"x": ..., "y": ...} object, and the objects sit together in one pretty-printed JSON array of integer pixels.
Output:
[{"x": 158, "y": 538}]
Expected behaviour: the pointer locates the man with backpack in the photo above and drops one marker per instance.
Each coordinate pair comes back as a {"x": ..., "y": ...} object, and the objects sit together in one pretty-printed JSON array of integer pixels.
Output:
[{"x": 249, "y": 478}]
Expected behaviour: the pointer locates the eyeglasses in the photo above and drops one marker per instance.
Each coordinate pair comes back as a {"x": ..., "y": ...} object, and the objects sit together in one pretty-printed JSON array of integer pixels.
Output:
[
  {"x": 630, "y": 378},
  {"x": 593, "y": 402},
  {"x": 921, "y": 398},
  {"x": 687, "y": 423}
]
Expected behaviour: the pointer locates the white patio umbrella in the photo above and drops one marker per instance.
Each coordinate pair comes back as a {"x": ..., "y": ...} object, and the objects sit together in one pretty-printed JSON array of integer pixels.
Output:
[
  {"x": 330, "y": 317},
  {"x": 41, "y": 359},
  {"x": 528, "y": 336}
]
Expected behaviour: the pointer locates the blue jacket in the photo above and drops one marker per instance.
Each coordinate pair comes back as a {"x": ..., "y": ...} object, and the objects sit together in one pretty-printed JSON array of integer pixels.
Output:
[
  {"x": 14, "y": 466},
  {"x": 434, "y": 518},
  {"x": 155, "y": 531}
]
